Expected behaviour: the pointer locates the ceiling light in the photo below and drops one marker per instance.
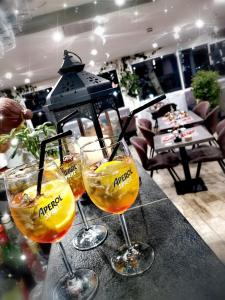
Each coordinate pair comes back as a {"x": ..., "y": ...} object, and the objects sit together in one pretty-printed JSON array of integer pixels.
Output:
[
  {"x": 107, "y": 54},
  {"x": 94, "y": 52},
  {"x": 16, "y": 12},
  {"x": 57, "y": 36},
  {"x": 65, "y": 5},
  {"x": 177, "y": 29},
  {"x": 95, "y": 2},
  {"x": 176, "y": 36},
  {"x": 91, "y": 63},
  {"x": 136, "y": 13},
  {"x": 8, "y": 75},
  {"x": 120, "y": 2},
  {"x": 27, "y": 80},
  {"x": 155, "y": 45},
  {"x": 99, "y": 30},
  {"x": 199, "y": 23},
  {"x": 14, "y": 88},
  {"x": 165, "y": 10}
]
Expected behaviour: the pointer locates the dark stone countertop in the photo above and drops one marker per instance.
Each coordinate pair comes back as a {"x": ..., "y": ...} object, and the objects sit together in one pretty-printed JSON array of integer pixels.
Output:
[{"x": 184, "y": 266}]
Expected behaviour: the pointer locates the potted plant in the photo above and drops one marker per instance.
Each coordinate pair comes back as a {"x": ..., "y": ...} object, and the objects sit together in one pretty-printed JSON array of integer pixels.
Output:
[
  {"x": 206, "y": 87},
  {"x": 130, "y": 82}
]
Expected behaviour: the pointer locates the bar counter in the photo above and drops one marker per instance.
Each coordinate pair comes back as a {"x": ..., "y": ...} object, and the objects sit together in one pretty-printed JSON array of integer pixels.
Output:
[{"x": 184, "y": 266}]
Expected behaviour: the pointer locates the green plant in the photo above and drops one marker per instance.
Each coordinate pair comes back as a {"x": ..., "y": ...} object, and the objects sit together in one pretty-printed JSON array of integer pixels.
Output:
[
  {"x": 30, "y": 140},
  {"x": 130, "y": 82},
  {"x": 205, "y": 86}
]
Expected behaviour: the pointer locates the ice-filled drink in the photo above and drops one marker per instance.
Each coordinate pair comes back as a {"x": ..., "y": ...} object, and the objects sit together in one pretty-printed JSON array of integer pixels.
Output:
[
  {"x": 113, "y": 185},
  {"x": 71, "y": 169},
  {"x": 43, "y": 218}
]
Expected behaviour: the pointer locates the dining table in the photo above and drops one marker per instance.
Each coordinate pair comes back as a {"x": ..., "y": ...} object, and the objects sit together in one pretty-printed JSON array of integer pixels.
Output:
[
  {"x": 177, "y": 119},
  {"x": 189, "y": 136}
]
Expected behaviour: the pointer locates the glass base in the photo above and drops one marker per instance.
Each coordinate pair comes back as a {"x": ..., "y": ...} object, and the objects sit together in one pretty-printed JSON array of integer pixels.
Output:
[
  {"x": 82, "y": 286},
  {"x": 133, "y": 261},
  {"x": 91, "y": 238}
]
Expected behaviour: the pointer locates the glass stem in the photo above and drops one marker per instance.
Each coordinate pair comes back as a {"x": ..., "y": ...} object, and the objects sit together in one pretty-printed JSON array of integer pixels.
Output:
[
  {"x": 65, "y": 259},
  {"x": 83, "y": 217},
  {"x": 125, "y": 231}
]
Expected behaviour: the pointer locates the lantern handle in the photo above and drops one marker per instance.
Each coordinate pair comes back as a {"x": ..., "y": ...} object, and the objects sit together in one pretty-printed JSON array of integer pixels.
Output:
[{"x": 66, "y": 52}]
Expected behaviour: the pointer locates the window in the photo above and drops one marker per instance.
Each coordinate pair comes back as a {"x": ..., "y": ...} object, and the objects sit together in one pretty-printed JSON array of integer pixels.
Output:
[
  {"x": 217, "y": 52},
  {"x": 193, "y": 60},
  {"x": 112, "y": 76},
  {"x": 158, "y": 76}
]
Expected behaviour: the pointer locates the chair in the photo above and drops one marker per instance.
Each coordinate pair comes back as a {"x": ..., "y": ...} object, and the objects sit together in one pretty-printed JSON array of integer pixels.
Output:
[
  {"x": 160, "y": 161},
  {"x": 209, "y": 153},
  {"x": 148, "y": 134},
  {"x": 220, "y": 126},
  {"x": 145, "y": 123},
  {"x": 162, "y": 111},
  {"x": 212, "y": 120},
  {"x": 201, "y": 109}
]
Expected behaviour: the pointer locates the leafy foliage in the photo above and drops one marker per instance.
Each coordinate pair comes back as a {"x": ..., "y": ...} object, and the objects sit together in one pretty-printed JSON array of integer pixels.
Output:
[
  {"x": 130, "y": 82},
  {"x": 28, "y": 139},
  {"x": 205, "y": 86}
]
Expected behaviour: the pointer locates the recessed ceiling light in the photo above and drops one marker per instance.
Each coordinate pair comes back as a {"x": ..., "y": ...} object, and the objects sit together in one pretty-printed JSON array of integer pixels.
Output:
[
  {"x": 14, "y": 88},
  {"x": 16, "y": 12},
  {"x": 57, "y": 36},
  {"x": 155, "y": 45},
  {"x": 94, "y": 52},
  {"x": 95, "y": 2},
  {"x": 107, "y": 54},
  {"x": 136, "y": 13},
  {"x": 177, "y": 29},
  {"x": 27, "y": 80},
  {"x": 199, "y": 23},
  {"x": 99, "y": 30},
  {"x": 165, "y": 10},
  {"x": 91, "y": 63},
  {"x": 8, "y": 75},
  {"x": 65, "y": 5},
  {"x": 120, "y": 2},
  {"x": 176, "y": 36}
]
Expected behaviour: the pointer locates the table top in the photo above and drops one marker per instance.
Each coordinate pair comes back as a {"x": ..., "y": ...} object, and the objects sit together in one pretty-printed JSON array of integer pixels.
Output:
[
  {"x": 165, "y": 124},
  {"x": 184, "y": 266},
  {"x": 165, "y": 141}
]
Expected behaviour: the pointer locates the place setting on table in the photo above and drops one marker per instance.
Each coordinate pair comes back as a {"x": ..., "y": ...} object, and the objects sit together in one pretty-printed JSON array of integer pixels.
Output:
[
  {"x": 181, "y": 137},
  {"x": 178, "y": 118}
]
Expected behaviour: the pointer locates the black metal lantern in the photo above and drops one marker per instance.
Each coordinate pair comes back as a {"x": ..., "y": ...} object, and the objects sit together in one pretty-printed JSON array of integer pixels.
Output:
[{"x": 79, "y": 90}]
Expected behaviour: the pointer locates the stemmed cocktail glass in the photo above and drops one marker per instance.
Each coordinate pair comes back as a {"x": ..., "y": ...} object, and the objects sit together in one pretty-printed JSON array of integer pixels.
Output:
[
  {"x": 45, "y": 217},
  {"x": 113, "y": 186},
  {"x": 88, "y": 237}
]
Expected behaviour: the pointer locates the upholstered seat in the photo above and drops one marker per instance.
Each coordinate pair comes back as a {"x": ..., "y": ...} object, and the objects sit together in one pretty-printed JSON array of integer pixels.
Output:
[
  {"x": 202, "y": 109},
  {"x": 160, "y": 161}
]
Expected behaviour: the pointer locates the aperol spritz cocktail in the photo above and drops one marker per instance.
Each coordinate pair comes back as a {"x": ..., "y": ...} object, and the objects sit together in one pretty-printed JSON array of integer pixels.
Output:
[
  {"x": 44, "y": 218},
  {"x": 90, "y": 236},
  {"x": 112, "y": 183},
  {"x": 113, "y": 186}
]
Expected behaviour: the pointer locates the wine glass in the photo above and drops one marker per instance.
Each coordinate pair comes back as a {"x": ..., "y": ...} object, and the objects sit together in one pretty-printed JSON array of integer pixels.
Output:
[
  {"x": 90, "y": 236},
  {"x": 46, "y": 217},
  {"x": 113, "y": 186}
]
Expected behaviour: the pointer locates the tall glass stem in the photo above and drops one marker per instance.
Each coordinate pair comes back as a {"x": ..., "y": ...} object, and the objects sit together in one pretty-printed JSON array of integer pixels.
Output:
[
  {"x": 83, "y": 217},
  {"x": 65, "y": 259},
  {"x": 125, "y": 231}
]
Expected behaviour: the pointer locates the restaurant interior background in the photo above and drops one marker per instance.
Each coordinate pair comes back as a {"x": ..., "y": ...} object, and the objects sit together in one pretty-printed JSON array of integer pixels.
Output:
[{"x": 159, "y": 44}]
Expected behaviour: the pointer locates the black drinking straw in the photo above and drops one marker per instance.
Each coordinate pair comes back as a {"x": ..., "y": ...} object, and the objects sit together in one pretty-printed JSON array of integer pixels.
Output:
[
  {"x": 42, "y": 156},
  {"x": 129, "y": 118},
  {"x": 59, "y": 127}
]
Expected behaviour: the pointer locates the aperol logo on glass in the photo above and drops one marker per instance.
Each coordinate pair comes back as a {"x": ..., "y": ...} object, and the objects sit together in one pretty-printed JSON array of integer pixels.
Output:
[
  {"x": 121, "y": 180},
  {"x": 50, "y": 209}
]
